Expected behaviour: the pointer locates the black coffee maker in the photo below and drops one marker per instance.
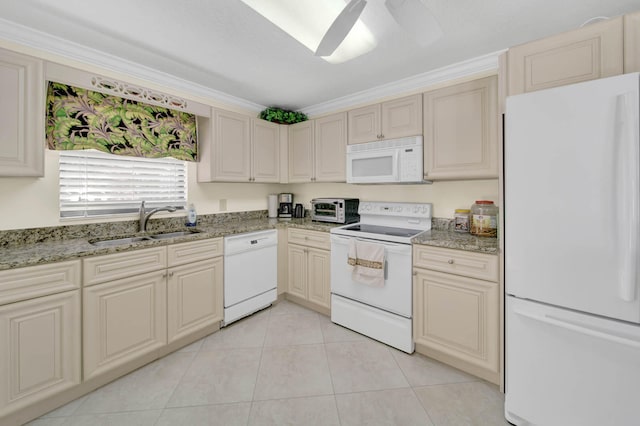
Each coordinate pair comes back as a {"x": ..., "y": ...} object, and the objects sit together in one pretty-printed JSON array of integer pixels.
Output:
[{"x": 285, "y": 205}]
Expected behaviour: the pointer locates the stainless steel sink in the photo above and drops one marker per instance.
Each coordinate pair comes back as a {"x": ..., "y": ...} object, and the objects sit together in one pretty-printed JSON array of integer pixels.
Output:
[
  {"x": 119, "y": 241},
  {"x": 173, "y": 234}
]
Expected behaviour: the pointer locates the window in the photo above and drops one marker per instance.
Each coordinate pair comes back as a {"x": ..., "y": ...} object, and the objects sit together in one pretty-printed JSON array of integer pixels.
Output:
[{"x": 94, "y": 183}]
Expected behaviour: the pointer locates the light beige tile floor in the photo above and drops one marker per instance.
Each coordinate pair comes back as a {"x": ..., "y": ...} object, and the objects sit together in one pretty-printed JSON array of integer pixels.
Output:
[{"x": 287, "y": 365}]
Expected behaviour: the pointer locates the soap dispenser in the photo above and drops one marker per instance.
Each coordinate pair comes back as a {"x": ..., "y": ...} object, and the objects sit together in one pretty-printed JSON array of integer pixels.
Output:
[{"x": 192, "y": 217}]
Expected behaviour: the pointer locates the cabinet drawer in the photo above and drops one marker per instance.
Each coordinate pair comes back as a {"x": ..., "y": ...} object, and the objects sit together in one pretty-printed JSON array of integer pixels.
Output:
[
  {"x": 41, "y": 280},
  {"x": 179, "y": 254},
  {"x": 101, "y": 269},
  {"x": 315, "y": 239},
  {"x": 468, "y": 264}
]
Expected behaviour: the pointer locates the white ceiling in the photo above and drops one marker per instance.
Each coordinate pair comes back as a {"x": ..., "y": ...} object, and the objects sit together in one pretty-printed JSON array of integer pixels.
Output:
[{"x": 226, "y": 46}]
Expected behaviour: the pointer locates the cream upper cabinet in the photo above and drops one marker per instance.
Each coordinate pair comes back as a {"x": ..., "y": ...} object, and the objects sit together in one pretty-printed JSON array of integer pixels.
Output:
[
  {"x": 265, "y": 151},
  {"x": 588, "y": 53},
  {"x": 456, "y": 309},
  {"x": 301, "y": 152},
  {"x": 461, "y": 131},
  {"x": 389, "y": 120},
  {"x": 40, "y": 340},
  {"x": 237, "y": 148},
  {"x": 330, "y": 148},
  {"x": 364, "y": 124},
  {"x": 632, "y": 42},
  {"x": 232, "y": 137},
  {"x": 22, "y": 111}
]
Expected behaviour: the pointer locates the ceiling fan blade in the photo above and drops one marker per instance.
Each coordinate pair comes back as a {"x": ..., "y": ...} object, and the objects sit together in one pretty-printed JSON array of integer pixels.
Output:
[
  {"x": 340, "y": 27},
  {"x": 416, "y": 19}
]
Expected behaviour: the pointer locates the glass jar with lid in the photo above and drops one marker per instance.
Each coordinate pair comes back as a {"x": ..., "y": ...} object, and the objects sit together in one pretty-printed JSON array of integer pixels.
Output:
[
  {"x": 461, "y": 220},
  {"x": 484, "y": 219}
]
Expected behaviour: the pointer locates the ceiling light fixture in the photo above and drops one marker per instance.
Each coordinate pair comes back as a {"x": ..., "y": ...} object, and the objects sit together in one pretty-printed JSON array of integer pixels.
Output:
[
  {"x": 308, "y": 21},
  {"x": 412, "y": 15}
]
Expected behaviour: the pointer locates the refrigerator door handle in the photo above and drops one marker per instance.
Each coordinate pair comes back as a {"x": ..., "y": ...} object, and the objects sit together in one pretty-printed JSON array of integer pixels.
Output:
[
  {"x": 626, "y": 192},
  {"x": 579, "y": 328}
]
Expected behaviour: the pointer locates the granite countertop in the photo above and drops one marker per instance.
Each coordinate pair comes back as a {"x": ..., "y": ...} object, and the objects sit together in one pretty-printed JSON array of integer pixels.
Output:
[
  {"x": 68, "y": 246},
  {"x": 458, "y": 241},
  {"x": 56, "y": 250}
]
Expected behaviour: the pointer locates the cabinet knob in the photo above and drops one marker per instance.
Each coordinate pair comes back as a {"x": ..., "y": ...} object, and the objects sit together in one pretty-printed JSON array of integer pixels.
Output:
[
  {"x": 450, "y": 261},
  {"x": 415, "y": 273},
  {"x": 171, "y": 274}
]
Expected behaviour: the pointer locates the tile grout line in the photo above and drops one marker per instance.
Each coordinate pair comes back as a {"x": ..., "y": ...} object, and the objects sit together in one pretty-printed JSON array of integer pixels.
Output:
[
  {"x": 255, "y": 382},
  {"x": 411, "y": 387},
  {"x": 195, "y": 355}
]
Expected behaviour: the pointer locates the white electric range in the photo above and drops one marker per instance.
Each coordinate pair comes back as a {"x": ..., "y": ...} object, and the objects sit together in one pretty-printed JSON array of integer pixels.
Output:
[{"x": 382, "y": 313}]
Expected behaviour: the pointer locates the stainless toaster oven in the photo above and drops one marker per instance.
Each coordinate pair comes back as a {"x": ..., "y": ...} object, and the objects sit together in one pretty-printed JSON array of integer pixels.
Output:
[{"x": 336, "y": 210}]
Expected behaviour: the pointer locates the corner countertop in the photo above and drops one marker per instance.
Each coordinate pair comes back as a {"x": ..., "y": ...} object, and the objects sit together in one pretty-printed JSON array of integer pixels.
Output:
[
  {"x": 457, "y": 241},
  {"x": 57, "y": 250}
]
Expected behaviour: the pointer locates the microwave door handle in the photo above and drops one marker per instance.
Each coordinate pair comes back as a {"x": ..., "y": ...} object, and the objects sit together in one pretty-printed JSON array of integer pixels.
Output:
[{"x": 396, "y": 170}]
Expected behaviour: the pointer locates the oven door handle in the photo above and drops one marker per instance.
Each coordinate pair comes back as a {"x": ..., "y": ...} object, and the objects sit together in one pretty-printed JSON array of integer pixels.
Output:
[{"x": 389, "y": 247}]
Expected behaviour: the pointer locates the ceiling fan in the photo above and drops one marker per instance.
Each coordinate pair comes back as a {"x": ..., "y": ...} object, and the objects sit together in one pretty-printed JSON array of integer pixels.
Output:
[{"x": 412, "y": 15}]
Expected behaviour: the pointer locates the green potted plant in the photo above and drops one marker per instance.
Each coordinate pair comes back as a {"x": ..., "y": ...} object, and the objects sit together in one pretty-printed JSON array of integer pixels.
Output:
[{"x": 282, "y": 116}]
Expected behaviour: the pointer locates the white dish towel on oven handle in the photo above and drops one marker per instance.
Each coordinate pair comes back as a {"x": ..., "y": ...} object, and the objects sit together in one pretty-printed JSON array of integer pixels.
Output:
[{"x": 367, "y": 260}]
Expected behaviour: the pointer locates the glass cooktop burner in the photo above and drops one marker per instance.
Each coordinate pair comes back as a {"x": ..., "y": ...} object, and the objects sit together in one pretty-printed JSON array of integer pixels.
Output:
[{"x": 383, "y": 230}]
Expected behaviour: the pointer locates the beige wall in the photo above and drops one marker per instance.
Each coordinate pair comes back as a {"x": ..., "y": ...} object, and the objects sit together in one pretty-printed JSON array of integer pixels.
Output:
[
  {"x": 445, "y": 196},
  {"x": 33, "y": 202}
]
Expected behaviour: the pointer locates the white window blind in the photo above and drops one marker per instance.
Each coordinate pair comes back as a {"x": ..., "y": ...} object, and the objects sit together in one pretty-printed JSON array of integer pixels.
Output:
[{"x": 94, "y": 183}]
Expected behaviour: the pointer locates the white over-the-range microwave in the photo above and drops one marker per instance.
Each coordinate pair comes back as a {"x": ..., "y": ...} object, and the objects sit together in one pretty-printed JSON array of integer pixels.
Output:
[{"x": 386, "y": 161}]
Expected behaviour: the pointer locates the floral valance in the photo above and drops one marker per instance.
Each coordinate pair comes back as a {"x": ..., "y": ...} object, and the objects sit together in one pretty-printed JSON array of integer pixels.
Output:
[{"x": 84, "y": 119}]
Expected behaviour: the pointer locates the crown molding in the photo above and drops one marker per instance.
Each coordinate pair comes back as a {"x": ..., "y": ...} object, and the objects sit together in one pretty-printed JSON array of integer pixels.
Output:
[
  {"x": 481, "y": 64},
  {"x": 19, "y": 34}
]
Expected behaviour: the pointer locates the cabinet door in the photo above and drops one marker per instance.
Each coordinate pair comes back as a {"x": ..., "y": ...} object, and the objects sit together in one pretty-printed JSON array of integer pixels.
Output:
[
  {"x": 457, "y": 316},
  {"x": 232, "y": 141},
  {"x": 301, "y": 152},
  {"x": 330, "y": 148},
  {"x": 194, "y": 297},
  {"x": 266, "y": 151},
  {"x": 297, "y": 270},
  {"x": 632, "y": 42},
  {"x": 364, "y": 124},
  {"x": 319, "y": 277},
  {"x": 461, "y": 131},
  {"x": 123, "y": 320},
  {"x": 402, "y": 117},
  {"x": 588, "y": 53},
  {"x": 21, "y": 115},
  {"x": 39, "y": 349}
]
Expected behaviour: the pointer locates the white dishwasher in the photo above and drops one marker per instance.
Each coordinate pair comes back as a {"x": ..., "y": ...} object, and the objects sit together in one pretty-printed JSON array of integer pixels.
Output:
[{"x": 250, "y": 273}]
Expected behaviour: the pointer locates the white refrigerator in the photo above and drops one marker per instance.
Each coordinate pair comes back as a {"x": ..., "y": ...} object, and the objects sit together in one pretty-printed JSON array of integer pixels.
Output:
[{"x": 572, "y": 191}]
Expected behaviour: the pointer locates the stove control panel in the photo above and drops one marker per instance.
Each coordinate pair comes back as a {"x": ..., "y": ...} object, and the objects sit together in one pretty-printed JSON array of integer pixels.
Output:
[{"x": 380, "y": 208}]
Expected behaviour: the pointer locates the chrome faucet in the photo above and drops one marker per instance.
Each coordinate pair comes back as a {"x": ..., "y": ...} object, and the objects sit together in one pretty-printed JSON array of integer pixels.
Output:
[{"x": 144, "y": 217}]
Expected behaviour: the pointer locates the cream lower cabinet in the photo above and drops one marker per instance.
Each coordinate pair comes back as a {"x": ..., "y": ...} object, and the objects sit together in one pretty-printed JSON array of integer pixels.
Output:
[
  {"x": 40, "y": 349},
  {"x": 123, "y": 319},
  {"x": 309, "y": 270},
  {"x": 456, "y": 309},
  {"x": 137, "y": 302},
  {"x": 461, "y": 131},
  {"x": 194, "y": 287}
]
